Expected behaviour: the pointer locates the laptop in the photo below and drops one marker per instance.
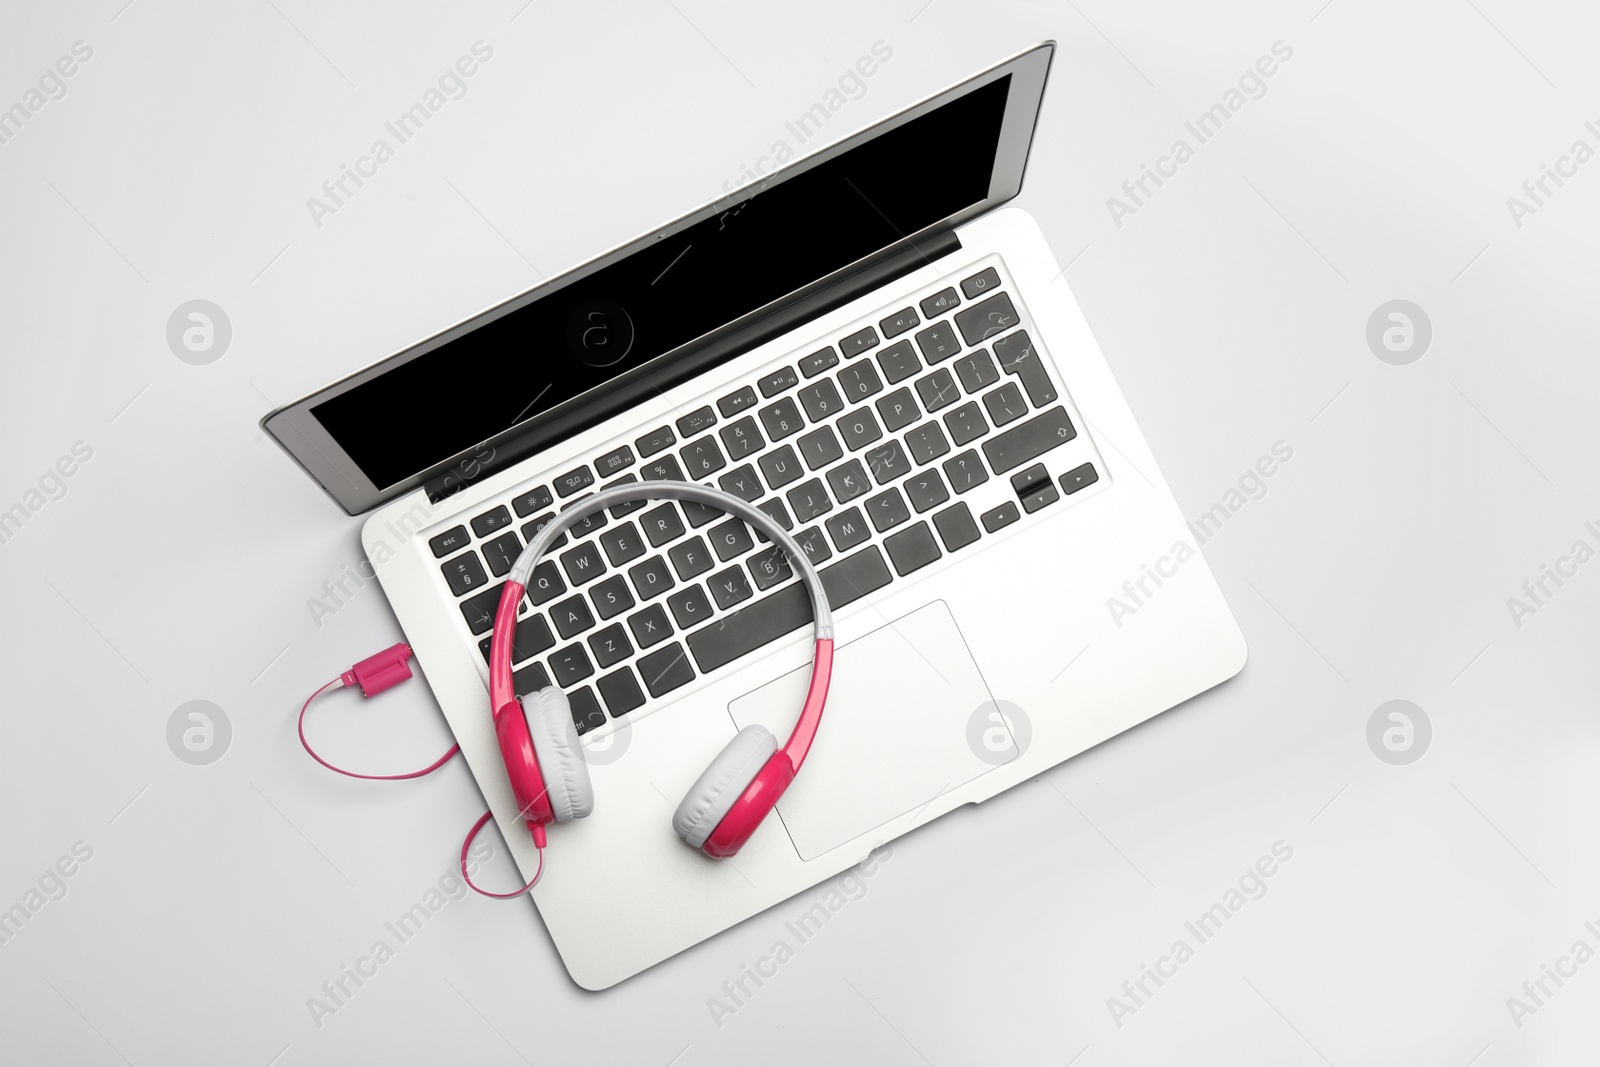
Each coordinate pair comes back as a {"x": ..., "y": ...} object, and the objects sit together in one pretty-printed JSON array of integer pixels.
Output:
[{"x": 868, "y": 346}]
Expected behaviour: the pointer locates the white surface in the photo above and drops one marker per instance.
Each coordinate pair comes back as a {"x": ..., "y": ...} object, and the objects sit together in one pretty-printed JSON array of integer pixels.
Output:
[{"x": 1232, "y": 309}]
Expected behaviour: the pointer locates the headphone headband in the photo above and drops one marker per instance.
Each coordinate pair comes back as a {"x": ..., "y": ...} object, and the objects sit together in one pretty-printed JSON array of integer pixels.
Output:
[{"x": 628, "y": 492}]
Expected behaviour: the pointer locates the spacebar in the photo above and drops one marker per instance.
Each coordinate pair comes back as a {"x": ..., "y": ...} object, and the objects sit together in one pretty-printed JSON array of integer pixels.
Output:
[{"x": 740, "y": 632}]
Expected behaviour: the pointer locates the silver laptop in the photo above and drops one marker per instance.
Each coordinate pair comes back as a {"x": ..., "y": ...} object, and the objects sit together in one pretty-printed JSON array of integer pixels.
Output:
[{"x": 867, "y": 346}]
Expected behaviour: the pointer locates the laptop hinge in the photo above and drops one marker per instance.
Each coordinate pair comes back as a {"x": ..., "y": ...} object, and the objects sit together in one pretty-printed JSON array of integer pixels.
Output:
[{"x": 497, "y": 454}]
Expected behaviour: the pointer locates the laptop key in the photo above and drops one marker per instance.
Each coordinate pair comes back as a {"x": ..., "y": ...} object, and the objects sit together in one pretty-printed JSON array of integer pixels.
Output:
[
  {"x": 926, "y": 490},
  {"x": 525, "y": 504},
  {"x": 665, "y": 670},
  {"x": 620, "y": 690},
  {"x": 897, "y": 409},
  {"x": 898, "y": 362},
  {"x": 650, "y": 626},
  {"x": 938, "y": 390},
  {"x": 583, "y": 563},
  {"x": 531, "y": 637},
  {"x": 860, "y": 341},
  {"x": 955, "y": 526},
  {"x": 731, "y": 539},
  {"x": 479, "y": 611},
  {"x": 965, "y": 423},
  {"x": 899, "y": 322},
  {"x": 501, "y": 553},
  {"x": 1027, "y": 441},
  {"x": 912, "y": 549},
  {"x": 1005, "y": 404},
  {"x": 651, "y": 578},
  {"x": 859, "y": 429},
  {"x": 965, "y": 471},
  {"x": 625, "y": 507},
  {"x": 982, "y": 321},
  {"x": 927, "y": 443},
  {"x": 819, "y": 361},
  {"x": 611, "y": 597},
  {"x": 1079, "y": 477},
  {"x": 530, "y": 679},
  {"x": 618, "y": 459},
  {"x": 848, "y": 529},
  {"x": 752, "y": 626},
  {"x": 491, "y": 521},
  {"x": 1017, "y": 356},
  {"x": 1034, "y": 488},
  {"x": 782, "y": 419},
  {"x": 770, "y": 567},
  {"x": 820, "y": 447},
  {"x": 589, "y": 523},
  {"x": 859, "y": 381},
  {"x": 622, "y": 544},
  {"x": 690, "y": 559},
  {"x": 586, "y": 713},
  {"x": 779, "y": 380},
  {"x": 570, "y": 665},
  {"x": 734, "y": 403},
  {"x": 449, "y": 541},
  {"x": 702, "y": 458},
  {"x": 742, "y": 438},
  {"x": 661, "y": 524},
  {"x": 657, "y": 439},
  {"x": 664, "y": 469},
  {"x": 690, "y": 607},
  {"x": 1004, "y": 515},
  {"x": 887, "y": 462},
  {"x": 821, "y": 400},
  {"x": 813, "y": 544},
  {"x": 533, "y": 526},
  {"x": 848, "y": 481},
  {"x": 780, "y": 467},
  {"x": 774, "y": 507},
  {"x": 742, "y": 483},
  {"x": 697, "y": 421},
  {"x": 977, "y": 371},
  {"x": 464, "y": 574},
  {"x": 939, "y": 303},
  {"x": 809, "y": 500},
  {"x": 545, "y": 583},
  {"x": 938, "y": 343},
  {"x": 699, "y": 514},
  {"x": 981, "y": 283},
  {"x": 610, "y": 646},
  {"x": 574, "y": 480},
  {"x": 572, "y": 616},
  {"x": 887, "y": 509},
  {"x": 729, "y": 587}
]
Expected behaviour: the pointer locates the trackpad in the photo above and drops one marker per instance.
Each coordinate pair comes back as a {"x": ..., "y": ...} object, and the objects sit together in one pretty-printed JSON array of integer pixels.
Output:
[{"x": 894, "y": 735}]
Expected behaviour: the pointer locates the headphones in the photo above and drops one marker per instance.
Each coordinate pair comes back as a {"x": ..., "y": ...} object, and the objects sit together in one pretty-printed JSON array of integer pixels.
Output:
[{"x": 539, "y": 742}]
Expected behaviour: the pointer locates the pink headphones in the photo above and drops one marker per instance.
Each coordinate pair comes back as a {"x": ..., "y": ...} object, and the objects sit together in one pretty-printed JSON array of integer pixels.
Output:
[{"x": 539, "y": 742}]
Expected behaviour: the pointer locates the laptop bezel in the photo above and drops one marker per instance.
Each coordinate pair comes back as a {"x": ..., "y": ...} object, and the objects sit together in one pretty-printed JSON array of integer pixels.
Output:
[{"x": 302, "y": 436}]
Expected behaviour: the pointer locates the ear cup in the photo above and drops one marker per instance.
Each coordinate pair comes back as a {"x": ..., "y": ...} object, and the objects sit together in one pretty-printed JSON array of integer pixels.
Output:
[
  {"x": 722, "y": 783},
  {"x": 555, "y": 744}
]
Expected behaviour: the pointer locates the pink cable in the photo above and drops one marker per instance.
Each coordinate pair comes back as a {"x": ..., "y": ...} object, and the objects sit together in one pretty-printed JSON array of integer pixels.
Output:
[
  {"x": 467, "y": 844},
  {"x": 435, "y": 765}
]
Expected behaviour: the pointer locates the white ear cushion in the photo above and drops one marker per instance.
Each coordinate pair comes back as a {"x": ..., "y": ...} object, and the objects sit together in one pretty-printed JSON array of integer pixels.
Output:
[
  {"x": 722, "y": 783},
  {"x": 555, "y": 745}
]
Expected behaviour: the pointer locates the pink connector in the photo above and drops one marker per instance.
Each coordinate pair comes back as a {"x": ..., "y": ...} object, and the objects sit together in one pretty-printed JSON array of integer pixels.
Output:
[{"x": 383, "y": 671}]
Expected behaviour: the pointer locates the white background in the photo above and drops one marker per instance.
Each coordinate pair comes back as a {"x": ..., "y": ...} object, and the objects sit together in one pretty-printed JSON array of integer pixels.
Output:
[{"x": 1233, "y": 309}]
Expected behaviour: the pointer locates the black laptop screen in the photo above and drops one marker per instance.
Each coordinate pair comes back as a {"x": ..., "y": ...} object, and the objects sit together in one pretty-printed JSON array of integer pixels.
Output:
[{"x": 786, "y": 236}]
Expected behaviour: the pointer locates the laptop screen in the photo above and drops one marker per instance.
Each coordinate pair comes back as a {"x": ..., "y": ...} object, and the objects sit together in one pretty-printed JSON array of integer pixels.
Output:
[
  {"x": 757, "y": 251},
  {"x": 666, "y": 304}
]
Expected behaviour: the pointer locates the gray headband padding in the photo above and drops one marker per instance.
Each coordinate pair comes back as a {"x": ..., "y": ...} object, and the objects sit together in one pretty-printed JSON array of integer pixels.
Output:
[{"x": 628, "y": 492}]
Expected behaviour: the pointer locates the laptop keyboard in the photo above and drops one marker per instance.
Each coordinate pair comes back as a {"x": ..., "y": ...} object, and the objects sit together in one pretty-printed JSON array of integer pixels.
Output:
[{"x": 863, "y": 449}]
